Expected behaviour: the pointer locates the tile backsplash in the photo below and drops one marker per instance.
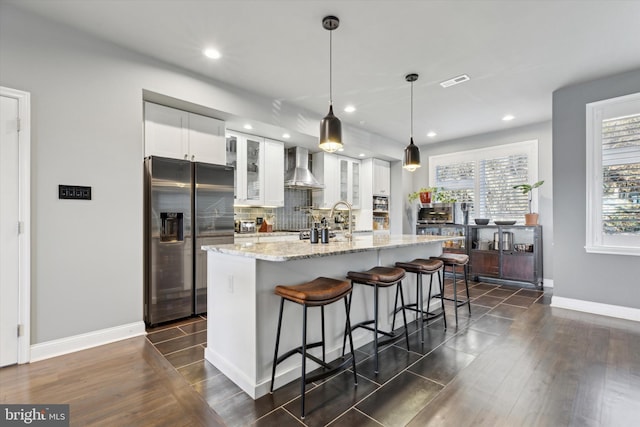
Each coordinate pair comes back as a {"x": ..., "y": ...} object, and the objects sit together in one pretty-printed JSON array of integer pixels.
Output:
[
  {"x": 296, "y": 214},
  {"x": 293, "y": 216}
]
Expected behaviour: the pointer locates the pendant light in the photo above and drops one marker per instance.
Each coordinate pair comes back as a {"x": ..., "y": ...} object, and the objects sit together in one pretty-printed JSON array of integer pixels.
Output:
[
  {"x": 330, "y": 126},
  {"x": 412, "y": 152}
]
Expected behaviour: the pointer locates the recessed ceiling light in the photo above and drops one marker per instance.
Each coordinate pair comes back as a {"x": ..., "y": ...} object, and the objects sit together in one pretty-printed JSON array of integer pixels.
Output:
[
  {"x": 349, "y": 109},
  {"x": 361, "y": 154},
  {"x": 212, "y": 53},
  {"x": 455, "y": 80},
  {"x": 431, "y": 134},
  {"x": 508, "y": 117},
  {"x": 286, "y": 136},
  {"x": 248, "y": 126}
]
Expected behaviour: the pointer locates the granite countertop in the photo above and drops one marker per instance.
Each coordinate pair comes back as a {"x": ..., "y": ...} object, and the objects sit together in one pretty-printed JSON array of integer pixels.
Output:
[
  {"x": 285, "y": 233},
  {"x": 271, "y": 233},
  {"x": 303, "y": 249}
]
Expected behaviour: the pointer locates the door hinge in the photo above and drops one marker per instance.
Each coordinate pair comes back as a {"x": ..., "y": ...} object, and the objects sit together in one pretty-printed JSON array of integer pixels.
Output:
[
  {"x": 20, "y": 330},
  {"x": 18, "y": 124},
  {"x": 20, "y": 227}
]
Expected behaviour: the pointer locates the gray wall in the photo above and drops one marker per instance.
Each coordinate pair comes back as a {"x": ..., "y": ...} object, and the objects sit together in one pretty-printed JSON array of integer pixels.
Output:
[
  {"x": 87, "y": 257},
  {"x": 541, "y": 132},
  {"x": 607, "y": 279}
]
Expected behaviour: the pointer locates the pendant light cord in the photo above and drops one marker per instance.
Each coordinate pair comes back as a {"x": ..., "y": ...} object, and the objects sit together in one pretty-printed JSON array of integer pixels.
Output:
[
  {"x": 411, "y": 135},
  {"x": 331, "y": 67}
]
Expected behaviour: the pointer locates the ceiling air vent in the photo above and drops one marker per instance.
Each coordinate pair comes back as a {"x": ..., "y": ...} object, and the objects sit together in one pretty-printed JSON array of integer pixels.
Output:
[{"x": 454, "y": 81}]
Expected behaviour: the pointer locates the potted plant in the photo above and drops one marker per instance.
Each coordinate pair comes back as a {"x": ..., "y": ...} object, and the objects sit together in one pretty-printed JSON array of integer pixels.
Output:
[
  {"x": 424, "y": 193},
  {"x": 444, "y": 196},
  {"x": 530, "y": 218}
]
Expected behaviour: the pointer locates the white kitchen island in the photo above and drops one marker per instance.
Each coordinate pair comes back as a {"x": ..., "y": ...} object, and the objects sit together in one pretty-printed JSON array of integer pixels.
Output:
[{"x": 242, "y": 311}]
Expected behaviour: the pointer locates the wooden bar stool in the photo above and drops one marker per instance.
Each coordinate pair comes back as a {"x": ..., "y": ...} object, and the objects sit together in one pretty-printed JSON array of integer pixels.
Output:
[
  {"x": 456, "y": 260},
  {"x": 378, "y": 277},
  {"x": 316, "y": 293},
  {"x": 420, "y": 267}
]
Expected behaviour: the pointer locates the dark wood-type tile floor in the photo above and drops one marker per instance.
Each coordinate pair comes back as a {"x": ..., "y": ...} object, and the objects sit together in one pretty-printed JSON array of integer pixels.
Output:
[{"x": 514, "y": 362}]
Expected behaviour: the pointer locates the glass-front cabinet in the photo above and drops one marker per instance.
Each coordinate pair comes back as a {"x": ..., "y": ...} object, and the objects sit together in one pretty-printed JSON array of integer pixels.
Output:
[
  {"x": 254, "y": 186},
  {"x": 349, "y": 170},
  {"x": 253, "y": 169}
]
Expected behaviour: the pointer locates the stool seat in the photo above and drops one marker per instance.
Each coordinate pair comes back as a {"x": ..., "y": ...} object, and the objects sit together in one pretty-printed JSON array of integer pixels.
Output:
[
  {"x": 382, "y": 276},
  {"x": 420, "y": 265},
  {"x": 456, "y": 259},
  {"x": 320, "y": 291}
]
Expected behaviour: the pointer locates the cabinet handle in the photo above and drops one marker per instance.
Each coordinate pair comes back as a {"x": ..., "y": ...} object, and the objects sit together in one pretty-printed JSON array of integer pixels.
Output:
[
  {"x": 186, "y": 156},
  {"x": 193, "y": 157}
]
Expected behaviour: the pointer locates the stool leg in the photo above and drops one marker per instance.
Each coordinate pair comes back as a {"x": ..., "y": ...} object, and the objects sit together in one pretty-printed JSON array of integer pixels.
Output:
[
  {"x": 455, "y": 292},
  {"x": 375, "y": 325},
  {"x": 303, "y": 381},
  {"x": 429, "y": 294},
  {"x": 466, "y": 284},
  {"x": 353, "y": 355},
  {"x": 322, "y": 320},
  {"x": 347, "y": 327},
  {"x": 404, "y": 315},
  {"x": 421, "y": 300},
  {"x": 441, "y": 287},
  {"x": 395, "y": 311},
  {"x": 275, "y": 354}
]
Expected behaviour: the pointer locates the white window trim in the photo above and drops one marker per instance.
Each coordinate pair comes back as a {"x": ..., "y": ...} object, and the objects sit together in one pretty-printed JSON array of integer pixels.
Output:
[
  {"x": 624, "y": 245},
  {"x": 530, "y": 147}
]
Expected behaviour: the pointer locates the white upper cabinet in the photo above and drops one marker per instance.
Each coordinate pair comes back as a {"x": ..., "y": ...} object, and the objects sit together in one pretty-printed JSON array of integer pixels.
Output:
[
  {"x": 381, "y": 178},
  {"x": 256, "y": 184},
  {"x": 165, "y": 131},
  {"x": 341, "y": 179},
  {"x": 178, "y": 134},
  {"x": 206, "y": 140},
  {"x": 326, "y": 169}
]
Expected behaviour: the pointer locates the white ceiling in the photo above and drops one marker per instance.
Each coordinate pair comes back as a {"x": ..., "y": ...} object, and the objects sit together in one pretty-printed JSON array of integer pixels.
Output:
[{"x": 516, "y": 53}]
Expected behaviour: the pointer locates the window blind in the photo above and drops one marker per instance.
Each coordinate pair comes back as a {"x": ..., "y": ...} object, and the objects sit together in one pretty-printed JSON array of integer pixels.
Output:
[
  {"x": 498, "y": 198},
  {"x": 497, "y": 176},
  {"x": 621, "y": 175},
  {"x": 458, "y": 179},
  {"x": 485, "y": 177}
]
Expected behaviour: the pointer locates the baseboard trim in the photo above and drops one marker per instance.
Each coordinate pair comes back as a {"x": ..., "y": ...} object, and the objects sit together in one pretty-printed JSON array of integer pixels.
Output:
[
  {"x": 283, "y": 375},
  {"x": 617, "y": 311},
  {"x": 75, "y": 343}
]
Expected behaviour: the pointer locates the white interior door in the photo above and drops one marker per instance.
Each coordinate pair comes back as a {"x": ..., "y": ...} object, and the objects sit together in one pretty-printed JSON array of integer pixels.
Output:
[
  {"x": 15, "y": 226},
  {"x": 9, "y": 231}
]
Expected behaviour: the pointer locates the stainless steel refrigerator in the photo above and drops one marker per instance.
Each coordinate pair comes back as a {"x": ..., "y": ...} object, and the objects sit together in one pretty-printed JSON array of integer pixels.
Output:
[{"x": 187, "y": 205}]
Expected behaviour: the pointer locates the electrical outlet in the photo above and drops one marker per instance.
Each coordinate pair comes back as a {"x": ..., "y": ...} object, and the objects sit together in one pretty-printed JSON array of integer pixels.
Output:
[{"x": 75, "y": 192}]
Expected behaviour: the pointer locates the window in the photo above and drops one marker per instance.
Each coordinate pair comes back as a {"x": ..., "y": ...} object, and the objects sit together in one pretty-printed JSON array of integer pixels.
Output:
[
  {"x": 613, "y": 176},
  {"x": 486, "y": 177}
]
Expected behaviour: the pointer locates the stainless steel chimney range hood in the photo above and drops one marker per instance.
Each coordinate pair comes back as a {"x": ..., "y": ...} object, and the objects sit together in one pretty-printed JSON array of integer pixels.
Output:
[{"x": 298, "y": 174}]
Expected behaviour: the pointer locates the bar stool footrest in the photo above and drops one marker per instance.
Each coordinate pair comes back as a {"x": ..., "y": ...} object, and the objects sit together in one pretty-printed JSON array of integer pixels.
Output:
[
  {"x": 329, "y": 369},
  {"x": 365, "y": 325},
  {"x": 460, "y": 302},
  {"x": 298, "y": 350}
]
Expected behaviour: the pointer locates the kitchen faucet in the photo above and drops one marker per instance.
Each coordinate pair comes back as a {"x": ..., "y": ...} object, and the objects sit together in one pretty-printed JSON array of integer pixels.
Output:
[{"x": 348, "y": 235}]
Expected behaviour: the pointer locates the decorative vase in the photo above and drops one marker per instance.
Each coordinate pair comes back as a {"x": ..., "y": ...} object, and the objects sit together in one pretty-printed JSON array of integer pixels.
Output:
[
  {"x": 425, "y": 197},
  {"x": 531, "y": 219}
]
